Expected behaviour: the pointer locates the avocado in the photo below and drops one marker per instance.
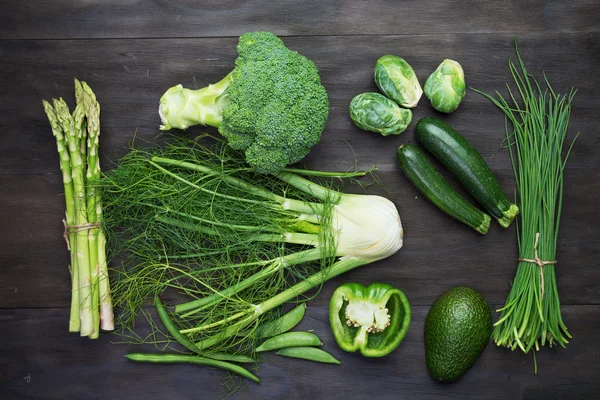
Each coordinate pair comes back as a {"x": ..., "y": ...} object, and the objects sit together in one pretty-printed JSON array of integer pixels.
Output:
[{"x": 457, "y": 329}]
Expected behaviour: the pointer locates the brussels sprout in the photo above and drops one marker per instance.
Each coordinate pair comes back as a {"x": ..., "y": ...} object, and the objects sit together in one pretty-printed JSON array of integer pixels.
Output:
[
  {"x": 376, "y": 113},
  {"x": 397, "y": 80},
  {"x": 445, "y": 87}
]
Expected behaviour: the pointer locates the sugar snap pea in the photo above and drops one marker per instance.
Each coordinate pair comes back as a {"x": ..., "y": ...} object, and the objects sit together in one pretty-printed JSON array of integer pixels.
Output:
[
  {"x": 309, "y": 353},
  {"x": 290, "y": 339},
  {"x": 192, "y": 359}
]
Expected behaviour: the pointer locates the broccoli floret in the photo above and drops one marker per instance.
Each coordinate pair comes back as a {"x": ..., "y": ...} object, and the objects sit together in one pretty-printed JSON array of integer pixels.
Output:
[{"x": 272, "y": 105}]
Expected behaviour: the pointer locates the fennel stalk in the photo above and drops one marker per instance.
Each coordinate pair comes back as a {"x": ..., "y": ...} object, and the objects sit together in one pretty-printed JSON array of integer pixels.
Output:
[{"x": 237, "y": 244}]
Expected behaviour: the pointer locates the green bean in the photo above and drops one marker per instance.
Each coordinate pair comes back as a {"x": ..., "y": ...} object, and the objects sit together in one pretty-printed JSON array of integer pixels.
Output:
[
  {"x": 190, "y": 359},
  {"x": 309, "y": 353},
  {"x": 172, "y": 329},
  {"x": 290, "y": 339},
  {"x": 281, "y": 324},
  {"x": 188, "y": 344},
  {"x": 240, "y": 358}
]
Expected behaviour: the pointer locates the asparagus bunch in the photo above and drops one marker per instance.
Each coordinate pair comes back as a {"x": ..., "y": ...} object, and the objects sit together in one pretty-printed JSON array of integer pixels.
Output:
[{"x": 77, "y": 139}]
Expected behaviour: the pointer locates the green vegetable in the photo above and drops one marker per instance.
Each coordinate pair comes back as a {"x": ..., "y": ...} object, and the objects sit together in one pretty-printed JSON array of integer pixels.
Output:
[
  {"x": 372, "y": 320},
  {"x": 445, "y": 87},
  {"x": 237, "y": 243},
  {"x": 185, "y": 342},
  {"x": 397, "y": 80},
  {"x": 531, "y": 316},
  {"x": 272, "y": 105},
  {"x": 186, "y": 359},
  {"x": 77, "y": 141},
  {"x": 376, "y": 113},
  {"x": 281, "y": 324},
  {"x": 463, "y": 160},
  {"x": 290, "y": 339},
  {"x": 457, "y": 329},
  {"x": 422, "y": 174},
  {"x": 172, "y": 329},
  {"x": 238, "y": 358},
  {"x": 309, "y": 353}
]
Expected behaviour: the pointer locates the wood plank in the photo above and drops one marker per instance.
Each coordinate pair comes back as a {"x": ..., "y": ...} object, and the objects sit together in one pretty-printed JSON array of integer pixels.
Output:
[
  {"x": 131, "y": 51},
  {"x": 438, "y": 252},
  {"x": 59, "y": 365},
  {"x": 129, "y": 77},
  {"x": 128, "y": 81},
  {"x": 168, "y": 18},
  {"x": 33, "y": 254}
]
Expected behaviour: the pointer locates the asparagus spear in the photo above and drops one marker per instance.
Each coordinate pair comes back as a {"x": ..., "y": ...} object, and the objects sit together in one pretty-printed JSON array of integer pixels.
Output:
[
  {"x": 100, "y": 291},
  {"x": 83, "y": 102},
  {"x": 77, "y": 140},
  {"x": 65, "y": 167},
  {"x": 95, "y": 214},
  {"x": 72, "y": 126}
]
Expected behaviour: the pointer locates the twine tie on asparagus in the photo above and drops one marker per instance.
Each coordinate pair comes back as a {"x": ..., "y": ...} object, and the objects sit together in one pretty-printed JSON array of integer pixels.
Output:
[
  {"x": 538, "y": 261},
  {"x": 77, "y": 228}
]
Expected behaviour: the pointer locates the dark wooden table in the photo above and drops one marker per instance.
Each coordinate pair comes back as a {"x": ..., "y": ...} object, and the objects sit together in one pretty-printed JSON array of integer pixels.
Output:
[{"x": 131, "y": 51}]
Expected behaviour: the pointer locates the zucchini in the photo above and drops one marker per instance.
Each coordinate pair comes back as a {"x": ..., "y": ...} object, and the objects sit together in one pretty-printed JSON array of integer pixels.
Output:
[
  {"x": 424, "y": 176},
  {"x": 463, "y": 160}
]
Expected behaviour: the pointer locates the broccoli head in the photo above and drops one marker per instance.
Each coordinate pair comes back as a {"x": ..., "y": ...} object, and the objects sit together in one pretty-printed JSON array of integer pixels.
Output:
[{"x": 272, "y": 105}]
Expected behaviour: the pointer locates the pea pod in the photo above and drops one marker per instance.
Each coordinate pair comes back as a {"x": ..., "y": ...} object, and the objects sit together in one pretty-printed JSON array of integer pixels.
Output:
[
  {"x": 290, "y": 339},
  {"x": 309, "y": 353},
  {"x": 189, "y": 359},
  {"x": 280, "y": 325}
]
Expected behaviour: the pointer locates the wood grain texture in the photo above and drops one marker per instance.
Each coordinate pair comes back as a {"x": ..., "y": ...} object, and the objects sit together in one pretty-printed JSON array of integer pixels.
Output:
[
  {"x": 63, "y": 366},
  {"x": 130, "y": 52},
  {"x": 438, "y": 252},
  {"x": 129, "y": 80},
  {"x": 190, "y": 18},
  {"x": 130, "y": 76}
]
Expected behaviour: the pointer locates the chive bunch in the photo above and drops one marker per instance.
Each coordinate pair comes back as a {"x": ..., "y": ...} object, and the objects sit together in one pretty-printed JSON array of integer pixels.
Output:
[{"x": 531, "y": 316}]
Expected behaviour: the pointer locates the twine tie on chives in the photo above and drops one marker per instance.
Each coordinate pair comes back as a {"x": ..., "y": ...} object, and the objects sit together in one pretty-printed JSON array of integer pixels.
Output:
[
  {"x": 77, "y": 228},
  {"x": 538, "y": 261}
]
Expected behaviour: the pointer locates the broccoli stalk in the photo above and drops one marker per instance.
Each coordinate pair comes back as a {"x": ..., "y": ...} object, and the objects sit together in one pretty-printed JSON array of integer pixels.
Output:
[
  {"x": 272, "y": 106},
  {"x": 181, "y": 108}
]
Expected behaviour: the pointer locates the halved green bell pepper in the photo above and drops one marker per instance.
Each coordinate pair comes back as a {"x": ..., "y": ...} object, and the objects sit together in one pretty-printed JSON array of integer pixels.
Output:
[{"x": 372, "y": 320}]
